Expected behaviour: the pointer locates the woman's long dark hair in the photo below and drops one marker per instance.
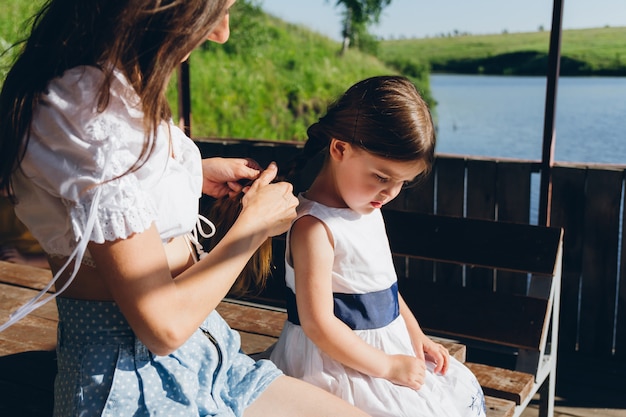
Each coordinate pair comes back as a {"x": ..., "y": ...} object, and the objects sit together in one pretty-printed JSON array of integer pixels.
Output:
[
  {"x": 145, "y": 39},
  {"x": 385, "y": 115}
]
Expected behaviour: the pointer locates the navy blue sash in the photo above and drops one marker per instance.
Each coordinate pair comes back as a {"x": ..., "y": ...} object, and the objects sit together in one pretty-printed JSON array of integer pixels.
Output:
[{"x": 358, "y": 311}]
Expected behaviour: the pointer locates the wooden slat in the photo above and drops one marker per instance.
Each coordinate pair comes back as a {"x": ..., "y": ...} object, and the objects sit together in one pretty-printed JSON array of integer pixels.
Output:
[
  {"x": 209, "y": 149},
  {"x": 252, "y": 320},
  {"x": 30, "y": 333},
  {"x": 506, "y": 319},
  {"x": 602, "y": 208},
  {"x": 481, "y": 204},
  {"x": 513, "y": 192},
  {"x": 474, "y": 242},
  {"x": 568, "y": 204},
  {"x": 503, "y": 383},
  {"x": 620, "y": 324},
  {"x": 497, "y": 407},
  {"x": 12, "y": 297},
  {"x": 513, "y": 200},
  {"x": 481, "y": 189},
  {"x": 450, "y": 174},
  {"x": 419, "y": 198},
  {"x": 37, "y": 331},
  {"x": 252, "y": 343},
  {"x": 24, "y": 275}
]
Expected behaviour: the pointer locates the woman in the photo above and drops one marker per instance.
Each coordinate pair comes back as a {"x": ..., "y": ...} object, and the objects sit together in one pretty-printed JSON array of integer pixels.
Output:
[{"x": 110, "y": 187}]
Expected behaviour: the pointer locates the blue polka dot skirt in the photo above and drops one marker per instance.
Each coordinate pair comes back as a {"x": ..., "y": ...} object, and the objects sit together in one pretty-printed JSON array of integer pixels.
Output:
[{"x": 104, "y": 370}]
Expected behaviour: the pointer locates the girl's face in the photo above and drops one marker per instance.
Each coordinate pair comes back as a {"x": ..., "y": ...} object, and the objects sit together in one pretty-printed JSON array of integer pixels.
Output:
[{"x": 364, "y": 181}]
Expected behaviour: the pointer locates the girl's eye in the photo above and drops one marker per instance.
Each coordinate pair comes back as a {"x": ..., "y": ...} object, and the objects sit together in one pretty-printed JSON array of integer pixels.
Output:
[
  {"x": 381, "y": 179},
  {"x": 410, "y": 184}
]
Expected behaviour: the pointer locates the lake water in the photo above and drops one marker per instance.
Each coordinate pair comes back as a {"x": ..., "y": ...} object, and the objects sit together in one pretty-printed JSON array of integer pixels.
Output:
[{"x": 503, "y": 116}]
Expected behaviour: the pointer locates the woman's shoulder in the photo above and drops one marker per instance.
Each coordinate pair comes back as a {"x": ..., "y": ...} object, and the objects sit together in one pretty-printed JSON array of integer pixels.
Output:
[
  {"x": 78, "y": 82},
  {"x": 72, "y": 102},
  {"x": 78, "y": 89}
]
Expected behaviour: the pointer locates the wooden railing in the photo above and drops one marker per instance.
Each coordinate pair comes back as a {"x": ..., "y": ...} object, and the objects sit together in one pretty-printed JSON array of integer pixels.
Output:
[{"x": 587, "y": 201}]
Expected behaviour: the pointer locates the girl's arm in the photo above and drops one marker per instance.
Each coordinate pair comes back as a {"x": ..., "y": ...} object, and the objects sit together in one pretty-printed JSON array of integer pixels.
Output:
[
  {"x": 165, "y": 312},
  {"x": 312, "y": 255},
  {"x": 425, "y": 348}
]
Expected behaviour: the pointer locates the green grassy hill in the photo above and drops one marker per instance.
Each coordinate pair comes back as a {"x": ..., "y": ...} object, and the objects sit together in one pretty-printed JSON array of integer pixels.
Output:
[
  {"x": 271, "y": 80},
  {"x": 583, "y": 52}
]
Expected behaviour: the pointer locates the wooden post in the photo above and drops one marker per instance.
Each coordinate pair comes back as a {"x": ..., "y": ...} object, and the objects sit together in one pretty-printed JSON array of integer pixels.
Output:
[
  {"x": 547, "y": 156},
  {"x": 184, "y": 98}
]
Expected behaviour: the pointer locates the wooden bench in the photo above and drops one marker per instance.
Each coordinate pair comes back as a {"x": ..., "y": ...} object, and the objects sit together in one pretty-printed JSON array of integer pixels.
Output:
[
  {"x": 490, "y": 287},
  {"x": 493, "y": 286},
  {"x": 505, "y": 320}
]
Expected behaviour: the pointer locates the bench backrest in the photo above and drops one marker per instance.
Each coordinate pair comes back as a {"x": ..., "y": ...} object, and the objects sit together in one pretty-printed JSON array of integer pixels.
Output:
[{"x": 488, "y": 282}]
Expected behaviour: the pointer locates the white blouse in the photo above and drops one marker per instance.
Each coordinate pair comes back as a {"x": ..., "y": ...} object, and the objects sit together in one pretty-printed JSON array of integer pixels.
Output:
[
  {"x": 74, "y": 152},
  {"x": 74, "y": 186}
]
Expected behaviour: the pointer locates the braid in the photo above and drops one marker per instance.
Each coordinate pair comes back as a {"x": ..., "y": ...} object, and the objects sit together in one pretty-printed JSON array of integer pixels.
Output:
[{"x": 305, "y": 166}]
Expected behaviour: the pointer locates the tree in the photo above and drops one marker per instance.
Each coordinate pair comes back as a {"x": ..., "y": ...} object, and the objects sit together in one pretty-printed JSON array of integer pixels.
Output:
[{"x": 358, "y": 16}]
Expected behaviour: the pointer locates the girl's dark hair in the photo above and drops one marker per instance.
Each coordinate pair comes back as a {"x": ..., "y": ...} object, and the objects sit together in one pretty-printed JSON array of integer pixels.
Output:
[
  {"x": 251, "y": 281},
  {"x": 385, "y": 115},
  {"x": 145, "y": 39}
]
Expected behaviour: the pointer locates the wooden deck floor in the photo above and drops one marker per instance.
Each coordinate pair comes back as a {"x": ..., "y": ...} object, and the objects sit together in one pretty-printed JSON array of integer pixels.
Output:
[{"x": 26, "y": 350}]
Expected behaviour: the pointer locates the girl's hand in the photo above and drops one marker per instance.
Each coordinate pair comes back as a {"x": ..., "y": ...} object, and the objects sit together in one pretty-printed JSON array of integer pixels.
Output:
[
  {"x": 437, "y": 354},
  {"x": 407, "y": 370},
  {"x": 267, "y": 207},
  {"x": 220, "y": 175}
]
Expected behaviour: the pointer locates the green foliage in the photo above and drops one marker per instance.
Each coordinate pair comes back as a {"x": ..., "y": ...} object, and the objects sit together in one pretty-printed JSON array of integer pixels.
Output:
[
  {"x": 358, "y": 16},
  {"x": 14, "y": 27},
  {"x": 364, "y": 11},
  {"x": 583, "y": 52},
  {"x": 271, "y": 80},
  {"x": 364, "y": 41}
]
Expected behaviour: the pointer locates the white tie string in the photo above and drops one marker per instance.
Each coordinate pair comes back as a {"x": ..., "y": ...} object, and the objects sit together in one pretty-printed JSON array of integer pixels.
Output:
[{"x": 198, "y": 230}]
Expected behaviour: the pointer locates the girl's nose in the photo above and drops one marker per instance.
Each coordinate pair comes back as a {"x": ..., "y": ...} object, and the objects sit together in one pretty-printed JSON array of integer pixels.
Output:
[{"x": 390, "y": 192}]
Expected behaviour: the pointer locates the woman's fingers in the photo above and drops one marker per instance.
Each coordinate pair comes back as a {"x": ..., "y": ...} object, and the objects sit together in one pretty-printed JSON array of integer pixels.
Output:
[{"x": 267, "y": 176}]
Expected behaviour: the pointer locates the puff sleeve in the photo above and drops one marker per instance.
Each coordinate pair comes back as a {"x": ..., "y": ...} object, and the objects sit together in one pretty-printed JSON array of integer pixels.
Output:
[{"x": 76, "y": 153}]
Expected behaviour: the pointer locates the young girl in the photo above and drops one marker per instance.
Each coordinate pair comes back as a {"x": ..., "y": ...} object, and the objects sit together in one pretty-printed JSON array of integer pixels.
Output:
[
  {"x": 110, "y": 188},
  {"x": 349, "y": 331}
]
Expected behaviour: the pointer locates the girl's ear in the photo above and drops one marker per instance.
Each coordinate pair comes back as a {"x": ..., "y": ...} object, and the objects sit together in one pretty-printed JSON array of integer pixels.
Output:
[{"x": 338, "y": 148}]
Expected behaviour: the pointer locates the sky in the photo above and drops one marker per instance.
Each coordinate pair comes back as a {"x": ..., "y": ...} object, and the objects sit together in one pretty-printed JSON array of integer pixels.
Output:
[{"x": 419, "y": 18}]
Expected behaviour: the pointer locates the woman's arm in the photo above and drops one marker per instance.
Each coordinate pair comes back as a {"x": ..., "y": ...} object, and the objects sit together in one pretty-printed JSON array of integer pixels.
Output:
[
  {"x": 312, "y": 254},
  {"x": 164, "y": 312}
]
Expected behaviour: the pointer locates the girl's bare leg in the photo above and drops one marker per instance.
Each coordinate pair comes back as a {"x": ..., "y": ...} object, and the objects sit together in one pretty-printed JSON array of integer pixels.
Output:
[{"x": 290, "y": 397}]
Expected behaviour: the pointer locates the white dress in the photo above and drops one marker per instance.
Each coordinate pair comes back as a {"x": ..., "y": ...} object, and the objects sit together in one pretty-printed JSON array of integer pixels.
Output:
[{"x": 365, "y": 293}]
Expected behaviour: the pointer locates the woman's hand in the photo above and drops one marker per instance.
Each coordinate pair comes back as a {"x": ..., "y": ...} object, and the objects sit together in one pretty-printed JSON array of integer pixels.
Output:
[
  {"x": 268, "y": 207},
  {"x": 220, "y": 175}
]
